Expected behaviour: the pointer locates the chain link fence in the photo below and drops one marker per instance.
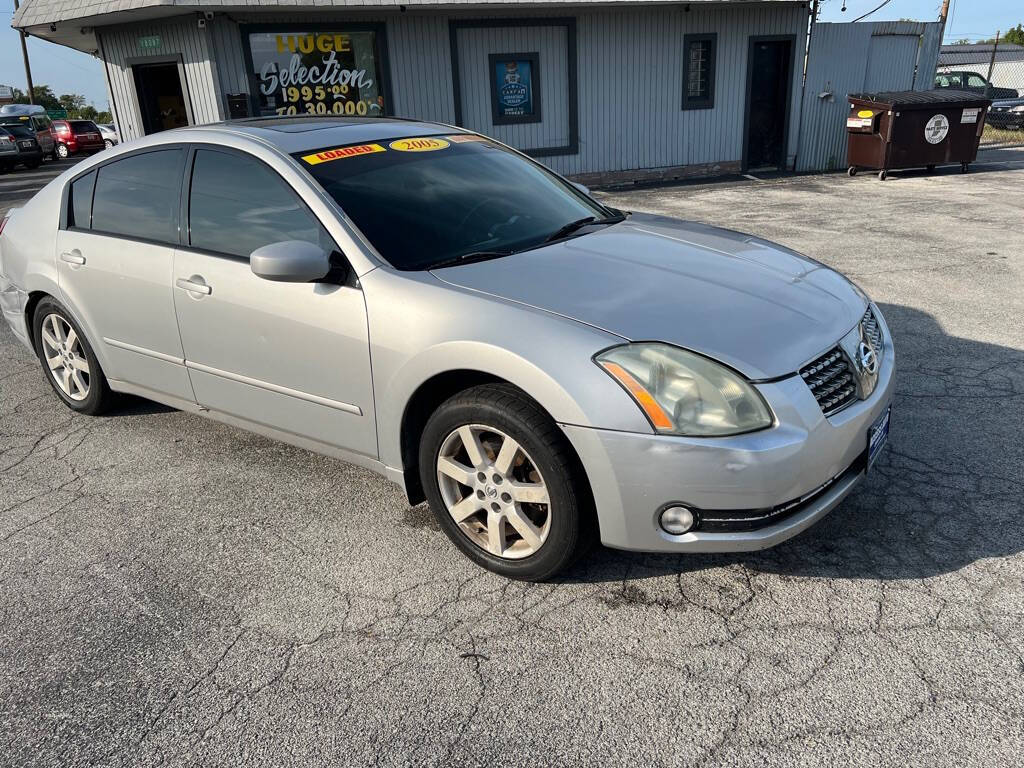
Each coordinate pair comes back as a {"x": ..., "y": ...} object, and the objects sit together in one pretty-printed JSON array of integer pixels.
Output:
[{"x": 995, "y": 69}]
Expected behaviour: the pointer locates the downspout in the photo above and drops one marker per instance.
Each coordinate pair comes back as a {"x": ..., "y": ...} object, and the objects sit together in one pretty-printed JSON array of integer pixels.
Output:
[
  {"x": 110, "y": 91},
  {"x": 803, "y": 83}
]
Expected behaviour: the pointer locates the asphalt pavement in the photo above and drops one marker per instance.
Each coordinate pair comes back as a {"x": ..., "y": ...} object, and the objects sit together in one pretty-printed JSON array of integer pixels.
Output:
[{"x": 177, "y": 592}]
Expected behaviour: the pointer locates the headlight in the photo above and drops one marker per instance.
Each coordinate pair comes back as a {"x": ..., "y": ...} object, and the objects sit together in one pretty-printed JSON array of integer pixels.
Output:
[
  {"x": 1018, "y": 108},
  {"x": 683, "y": 393}
]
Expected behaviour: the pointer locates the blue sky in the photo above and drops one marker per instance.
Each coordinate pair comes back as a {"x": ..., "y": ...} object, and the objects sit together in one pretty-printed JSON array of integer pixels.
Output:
[{"x": 68, "y": 71}]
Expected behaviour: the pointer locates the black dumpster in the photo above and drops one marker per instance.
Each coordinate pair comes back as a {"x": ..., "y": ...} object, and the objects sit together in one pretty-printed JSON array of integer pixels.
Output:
[{"x": 913, "y": 129}]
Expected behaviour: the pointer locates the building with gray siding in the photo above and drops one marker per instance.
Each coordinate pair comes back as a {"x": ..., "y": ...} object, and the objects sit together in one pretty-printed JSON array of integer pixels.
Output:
[{"x": 600, "y": 91}]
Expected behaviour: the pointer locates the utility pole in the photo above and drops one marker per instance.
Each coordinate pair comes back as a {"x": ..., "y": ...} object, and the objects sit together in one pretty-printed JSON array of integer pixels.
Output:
[
  {"x": 991, "y": 66},
  {"x": 24, "y": 53},
  {"x": 942, "y": 17}
]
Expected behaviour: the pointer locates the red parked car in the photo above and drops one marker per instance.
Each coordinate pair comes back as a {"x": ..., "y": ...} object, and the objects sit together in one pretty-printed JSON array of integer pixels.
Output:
[{"x": 73, "y": 136}]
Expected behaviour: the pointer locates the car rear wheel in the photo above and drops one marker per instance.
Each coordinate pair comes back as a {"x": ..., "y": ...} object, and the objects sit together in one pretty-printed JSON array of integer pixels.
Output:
[
  {"x": 62, "y": 151},
  {"x": 500, "y": 479},
  {"x": 68, "y": 361}
]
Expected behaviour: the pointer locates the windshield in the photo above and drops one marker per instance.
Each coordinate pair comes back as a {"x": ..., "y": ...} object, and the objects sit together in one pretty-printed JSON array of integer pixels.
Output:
[{"x": 422, "y": 201}]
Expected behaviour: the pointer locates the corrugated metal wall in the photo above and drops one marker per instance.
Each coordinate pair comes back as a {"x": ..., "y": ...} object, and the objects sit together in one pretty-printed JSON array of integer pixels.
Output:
[
  {"x": 475, "y": 44},
  {"x": 629, "y": 65},
  {"x": 180, "y": 36},
  {"x": 851, "y": 58}
]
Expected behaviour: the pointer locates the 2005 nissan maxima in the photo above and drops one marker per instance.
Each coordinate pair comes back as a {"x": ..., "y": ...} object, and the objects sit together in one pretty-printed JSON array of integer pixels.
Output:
[{"x": 431, "y": 304}]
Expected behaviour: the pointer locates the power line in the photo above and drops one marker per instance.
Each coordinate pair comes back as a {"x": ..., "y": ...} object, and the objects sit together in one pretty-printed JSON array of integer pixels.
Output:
[{"x": 878, "y": 8}]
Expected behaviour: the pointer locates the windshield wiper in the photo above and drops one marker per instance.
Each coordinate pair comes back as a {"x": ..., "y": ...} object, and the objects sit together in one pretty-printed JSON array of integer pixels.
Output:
[
  {"x": 572, "y": 226},
  {"x": 468, "y": 258}
]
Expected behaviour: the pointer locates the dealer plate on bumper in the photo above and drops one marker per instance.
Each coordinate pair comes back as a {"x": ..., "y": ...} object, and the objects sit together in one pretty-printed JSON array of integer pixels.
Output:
[{"x": 878, "y": 433}]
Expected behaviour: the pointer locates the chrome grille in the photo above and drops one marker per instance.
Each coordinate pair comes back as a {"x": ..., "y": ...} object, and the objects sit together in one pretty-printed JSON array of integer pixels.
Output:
[
  {"x": 831, "y": 381},
  {"x": 869, "y": 327}
]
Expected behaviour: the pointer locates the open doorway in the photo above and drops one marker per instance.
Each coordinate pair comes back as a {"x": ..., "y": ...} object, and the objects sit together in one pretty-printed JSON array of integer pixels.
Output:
[
  {"x": 161, "y": 96},
  {"x": 769, "y": 85}
]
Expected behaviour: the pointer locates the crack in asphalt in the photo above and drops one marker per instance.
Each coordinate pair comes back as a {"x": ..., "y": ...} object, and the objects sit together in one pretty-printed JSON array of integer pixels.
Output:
[{"x": 176, "y": 592}]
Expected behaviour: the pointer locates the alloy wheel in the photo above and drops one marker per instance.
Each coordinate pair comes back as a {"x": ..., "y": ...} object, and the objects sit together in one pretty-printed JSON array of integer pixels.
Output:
[
  {"x": 494, "y": 491},
  {"x": 65, "y": 357},
  {"x": 62, "y": 151}
]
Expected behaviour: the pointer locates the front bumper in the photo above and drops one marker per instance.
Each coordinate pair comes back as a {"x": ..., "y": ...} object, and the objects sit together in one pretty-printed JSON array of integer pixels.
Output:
[{"x": 788, "y": 476}]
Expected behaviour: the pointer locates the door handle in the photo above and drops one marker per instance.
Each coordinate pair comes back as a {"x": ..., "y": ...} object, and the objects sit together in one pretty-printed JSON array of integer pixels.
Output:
[
  {"x": 193, "y": 286},
  {"x": 73, "y": 257}
]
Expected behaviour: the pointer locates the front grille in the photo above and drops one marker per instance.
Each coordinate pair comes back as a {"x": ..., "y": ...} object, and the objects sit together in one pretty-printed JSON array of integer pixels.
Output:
[
  {"x": 831, "y": 381},
  {"x": 869, "y": 327}
]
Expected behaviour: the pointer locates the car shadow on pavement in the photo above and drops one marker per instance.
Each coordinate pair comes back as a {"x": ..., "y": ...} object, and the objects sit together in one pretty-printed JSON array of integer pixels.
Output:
[{"x": 946, "y": 492}]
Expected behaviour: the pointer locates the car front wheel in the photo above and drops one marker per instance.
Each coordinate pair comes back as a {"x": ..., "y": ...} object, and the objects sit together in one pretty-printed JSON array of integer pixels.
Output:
[
  {"x": 501, "y": 479},
  {"x": 69, "y": 363}
]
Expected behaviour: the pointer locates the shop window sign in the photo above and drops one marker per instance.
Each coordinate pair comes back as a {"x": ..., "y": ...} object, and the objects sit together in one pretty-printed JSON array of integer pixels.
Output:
[
  {"x": 321, "y": 71},
  {"x": 515, "y": 88}
]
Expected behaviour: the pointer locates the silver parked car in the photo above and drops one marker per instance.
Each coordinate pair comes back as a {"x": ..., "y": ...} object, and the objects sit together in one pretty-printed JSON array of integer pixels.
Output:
[
  {"x": 435, "y": 306},
  {"x": 109, "y": 134}
]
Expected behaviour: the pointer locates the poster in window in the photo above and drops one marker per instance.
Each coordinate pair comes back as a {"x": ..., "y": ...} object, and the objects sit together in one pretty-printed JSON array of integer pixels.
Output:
[
  {"x": 515, "y": 88},
  {"x": 319, "y": 70}
]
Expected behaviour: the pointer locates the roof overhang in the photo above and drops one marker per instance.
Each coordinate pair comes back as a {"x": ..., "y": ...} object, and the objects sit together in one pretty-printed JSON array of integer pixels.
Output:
[{"x": 71, "y": 23}]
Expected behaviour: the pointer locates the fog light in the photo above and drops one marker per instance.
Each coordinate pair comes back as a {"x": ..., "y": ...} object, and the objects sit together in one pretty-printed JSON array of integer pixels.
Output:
[{"x": 677, "y": 520}]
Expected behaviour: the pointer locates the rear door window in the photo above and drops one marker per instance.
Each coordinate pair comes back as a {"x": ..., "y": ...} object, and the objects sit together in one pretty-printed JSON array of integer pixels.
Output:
[
  {"x": 237, "y": 204},
  {"x": 138, "y": 197},
  {"x": 80, "y": 201}
]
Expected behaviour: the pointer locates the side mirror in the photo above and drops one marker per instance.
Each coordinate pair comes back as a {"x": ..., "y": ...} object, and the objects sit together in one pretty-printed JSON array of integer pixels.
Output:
[
  {"x": 290, "y": 261},
  {"x": 581, "y": 188}
]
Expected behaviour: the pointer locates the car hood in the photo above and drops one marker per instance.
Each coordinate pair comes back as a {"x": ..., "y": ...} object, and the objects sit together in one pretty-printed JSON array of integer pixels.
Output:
[{"x": 756, "y": 306}]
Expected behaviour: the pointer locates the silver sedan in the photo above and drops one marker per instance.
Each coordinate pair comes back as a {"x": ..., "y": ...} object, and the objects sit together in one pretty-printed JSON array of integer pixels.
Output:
[{"x": 423, "y": 301}]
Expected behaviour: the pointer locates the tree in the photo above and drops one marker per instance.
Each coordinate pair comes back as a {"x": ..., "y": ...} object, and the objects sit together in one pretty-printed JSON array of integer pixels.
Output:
[
  {"x": 72, "y": 102},
  {"x": 1015, "y": 35},
  {"x": 42, "y": 95}
]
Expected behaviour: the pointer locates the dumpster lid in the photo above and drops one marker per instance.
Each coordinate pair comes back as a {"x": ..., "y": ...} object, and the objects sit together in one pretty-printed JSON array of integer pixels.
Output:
[{"x": 922, "y": 98}]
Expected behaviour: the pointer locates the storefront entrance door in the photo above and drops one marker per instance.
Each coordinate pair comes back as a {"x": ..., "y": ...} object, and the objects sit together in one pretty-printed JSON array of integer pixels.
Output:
[{"x": 161, "y": 97}]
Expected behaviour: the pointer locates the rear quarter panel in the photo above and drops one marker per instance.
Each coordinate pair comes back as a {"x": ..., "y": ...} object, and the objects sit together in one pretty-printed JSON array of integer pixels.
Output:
[{"x": 28, "y": 256}]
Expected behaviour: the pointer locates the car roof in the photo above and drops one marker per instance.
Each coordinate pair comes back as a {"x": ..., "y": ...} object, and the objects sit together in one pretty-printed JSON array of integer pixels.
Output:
[
  {"x": 22, "y": 109},
  {"x": 300, "y": 133}
]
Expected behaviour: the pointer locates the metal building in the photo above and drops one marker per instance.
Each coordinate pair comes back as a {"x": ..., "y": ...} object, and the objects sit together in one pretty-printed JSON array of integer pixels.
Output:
[
  {"x": 1006, "y": 63},
  {"x": 625, "y": 89}
]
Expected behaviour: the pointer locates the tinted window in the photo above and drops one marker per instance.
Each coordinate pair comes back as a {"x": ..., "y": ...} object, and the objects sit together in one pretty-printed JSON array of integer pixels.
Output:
[
  {"x": 21, "y": 131},
  {"x": 138, "y": 196},
  {"x": 83, "y": 126},
  {"x": 238, "y": 204},
  {"x": 80, "y": 201},
  {"x": 424, "y": 200},
  {"x": 975, "y": 81}
]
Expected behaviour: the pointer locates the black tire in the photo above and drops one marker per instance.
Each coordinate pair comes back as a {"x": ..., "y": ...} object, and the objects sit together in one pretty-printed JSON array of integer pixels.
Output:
[
  {"x": 882, "y": 175},
  {"x": 852, "y": 170},
  {"x": 572, "y": 527},
  {"x": 99, "y": 398}
]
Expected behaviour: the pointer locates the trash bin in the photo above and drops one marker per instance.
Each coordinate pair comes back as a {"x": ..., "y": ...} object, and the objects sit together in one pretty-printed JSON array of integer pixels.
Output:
[{"x": 913, "y": 129}]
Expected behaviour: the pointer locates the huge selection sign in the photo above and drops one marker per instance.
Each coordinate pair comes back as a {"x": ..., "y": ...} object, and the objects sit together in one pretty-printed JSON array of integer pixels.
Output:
[
  {"x": 321, "y": 72},
  {"x": 514, "y": 88}
]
